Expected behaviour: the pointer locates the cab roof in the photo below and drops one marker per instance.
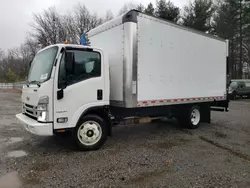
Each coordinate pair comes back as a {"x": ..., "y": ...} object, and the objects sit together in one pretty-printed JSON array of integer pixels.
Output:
[{"x": 60, "y": 45}]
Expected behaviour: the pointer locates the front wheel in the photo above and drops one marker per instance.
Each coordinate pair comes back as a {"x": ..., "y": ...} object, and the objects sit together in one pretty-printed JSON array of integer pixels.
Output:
[{"x": 90, "y": 133}]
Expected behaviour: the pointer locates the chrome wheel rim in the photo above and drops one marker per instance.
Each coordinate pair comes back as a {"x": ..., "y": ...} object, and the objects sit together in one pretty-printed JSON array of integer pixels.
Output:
[
  {"x": 89, "y": 133},
  {"x": 195, "y": 117}
]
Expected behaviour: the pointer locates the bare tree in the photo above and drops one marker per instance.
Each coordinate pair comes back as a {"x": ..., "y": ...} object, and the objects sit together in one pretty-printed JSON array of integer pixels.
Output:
[
  {"x": 10, "y": 66},
  {"x": 32, "y": 46},
  {"x": 47, "y": 27},
  {"x": 2, "y": 64},
  {"x": 140, "y": 7},
  {"x": 84, "y": 20},
  {"x": 109, "y": 16},
  {"x": 14, "y": 64},
  {"x": 126, "y": 7}
]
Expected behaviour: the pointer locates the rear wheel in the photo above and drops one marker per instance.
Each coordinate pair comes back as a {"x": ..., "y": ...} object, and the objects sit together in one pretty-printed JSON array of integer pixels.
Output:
[
  {"x": 191, "y": 117},
  {"x": 91, "y": 132},
  {"x": 194, "y": 117}
]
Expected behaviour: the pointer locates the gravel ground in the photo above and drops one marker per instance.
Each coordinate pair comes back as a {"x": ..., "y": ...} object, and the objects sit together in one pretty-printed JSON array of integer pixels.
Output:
[{"x": 159, "y": 154}]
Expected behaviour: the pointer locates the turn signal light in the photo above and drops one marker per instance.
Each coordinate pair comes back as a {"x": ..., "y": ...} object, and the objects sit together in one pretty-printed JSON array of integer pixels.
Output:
[{"x": 60, "y": 131}]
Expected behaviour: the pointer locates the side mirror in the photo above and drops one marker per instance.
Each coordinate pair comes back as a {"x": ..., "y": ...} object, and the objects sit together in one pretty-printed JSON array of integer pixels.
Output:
[
  {"x": 62, "y": 84},
  {"x": 60, "y": 94},
  {"x": 69, "y": 62}
]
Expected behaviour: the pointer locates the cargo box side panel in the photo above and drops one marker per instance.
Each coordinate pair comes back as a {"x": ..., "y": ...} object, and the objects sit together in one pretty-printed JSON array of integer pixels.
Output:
[
  {"x": 111, "y": 41},
  {"x": 175, "y": 64}
]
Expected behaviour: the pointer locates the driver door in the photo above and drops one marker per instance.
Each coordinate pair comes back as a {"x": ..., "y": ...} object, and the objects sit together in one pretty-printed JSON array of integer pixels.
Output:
[{"x": 81, "y": 87}]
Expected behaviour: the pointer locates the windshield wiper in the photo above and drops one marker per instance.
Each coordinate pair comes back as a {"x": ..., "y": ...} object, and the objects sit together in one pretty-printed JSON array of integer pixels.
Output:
[{"x": 35, "y": 82}]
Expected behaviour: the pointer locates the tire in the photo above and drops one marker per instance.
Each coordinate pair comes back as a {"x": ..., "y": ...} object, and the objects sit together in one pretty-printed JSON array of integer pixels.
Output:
[
  {"x": 194, "y": 117},
  {"x": 233, "y": 96},
  {"x": 90, "y": 133},
  {"x": 191, "y": 118}
]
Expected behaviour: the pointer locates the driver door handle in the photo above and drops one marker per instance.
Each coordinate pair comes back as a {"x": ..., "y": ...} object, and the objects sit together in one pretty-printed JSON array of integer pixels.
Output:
[{"x": 99, "y": 94}]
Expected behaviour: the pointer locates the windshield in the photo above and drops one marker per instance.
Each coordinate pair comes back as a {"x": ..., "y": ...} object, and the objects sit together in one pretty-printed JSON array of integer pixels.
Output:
[{"x": 42, "y": 64}]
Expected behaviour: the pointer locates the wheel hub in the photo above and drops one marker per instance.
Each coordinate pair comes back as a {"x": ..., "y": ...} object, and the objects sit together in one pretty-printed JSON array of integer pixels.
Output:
[
  {"x": 195, "y": 117},
  {"x": 90, "y": 133}
]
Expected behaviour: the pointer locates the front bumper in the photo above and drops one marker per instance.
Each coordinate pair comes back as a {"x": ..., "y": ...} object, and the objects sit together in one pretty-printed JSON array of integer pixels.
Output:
[{"x": 34, "y": 127}]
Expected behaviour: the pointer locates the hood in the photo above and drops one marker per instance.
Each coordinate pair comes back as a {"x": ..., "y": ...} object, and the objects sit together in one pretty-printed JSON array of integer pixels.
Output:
[{"x": 32, "y": 94}]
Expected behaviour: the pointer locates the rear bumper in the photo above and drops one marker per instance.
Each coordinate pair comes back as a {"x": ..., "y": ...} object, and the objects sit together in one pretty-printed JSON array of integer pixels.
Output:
[{"x": 34, "y": 127}]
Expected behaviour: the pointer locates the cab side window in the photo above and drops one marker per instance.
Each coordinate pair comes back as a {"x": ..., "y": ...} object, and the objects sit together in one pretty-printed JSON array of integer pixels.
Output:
[{"x": 87, "y": 64}]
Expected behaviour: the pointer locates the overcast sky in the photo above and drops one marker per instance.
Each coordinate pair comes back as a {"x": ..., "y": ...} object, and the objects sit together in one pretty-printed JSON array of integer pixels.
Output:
[{"x": 16, "y": 15}]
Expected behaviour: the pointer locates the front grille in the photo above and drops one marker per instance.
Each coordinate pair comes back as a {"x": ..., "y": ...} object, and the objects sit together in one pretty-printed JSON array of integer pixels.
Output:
[
  {"x": 32, "y": 117},
  {"x": 30, "y": 111},
  {"x": 29, "y": 106}
]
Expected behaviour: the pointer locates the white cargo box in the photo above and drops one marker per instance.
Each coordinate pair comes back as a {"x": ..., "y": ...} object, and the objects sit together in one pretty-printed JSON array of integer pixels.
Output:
[{"x": 155, "y": 62}]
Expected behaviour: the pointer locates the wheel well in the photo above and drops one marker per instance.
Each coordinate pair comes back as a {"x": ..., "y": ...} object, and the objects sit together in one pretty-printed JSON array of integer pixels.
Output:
[
  {"x": 101, "y": 112},
  {"x": 204, "y": 110}
]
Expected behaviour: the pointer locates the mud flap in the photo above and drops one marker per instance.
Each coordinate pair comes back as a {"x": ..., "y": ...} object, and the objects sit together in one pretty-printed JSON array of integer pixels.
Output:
[{"x": 205, "y": 114}]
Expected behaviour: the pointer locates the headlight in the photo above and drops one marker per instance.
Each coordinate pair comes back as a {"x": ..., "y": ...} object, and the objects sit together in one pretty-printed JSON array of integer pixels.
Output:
[
  {"x": 44, "y": 100},
  {"x": 42, "y": 109},
  {"x": 230, "y": 90},
  {"x": 43, "y": 116}
]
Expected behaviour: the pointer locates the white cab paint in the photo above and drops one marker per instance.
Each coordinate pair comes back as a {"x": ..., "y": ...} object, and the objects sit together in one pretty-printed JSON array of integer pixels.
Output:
[
  {"x": 111, "y": 41},
  {"x": 77, "y": 97},
  {"x": 80, "y": 96},
  {"x": 34, "y": 127}
]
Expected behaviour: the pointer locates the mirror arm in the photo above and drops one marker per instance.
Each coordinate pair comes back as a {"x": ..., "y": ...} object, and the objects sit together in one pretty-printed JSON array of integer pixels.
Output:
[
  {"x": 30, "y": 63},
  {"x": 65, "y": 84}
]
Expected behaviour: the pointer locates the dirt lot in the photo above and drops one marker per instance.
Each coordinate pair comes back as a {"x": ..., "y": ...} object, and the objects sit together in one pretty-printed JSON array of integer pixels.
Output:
[{"x": 160, "y": 154}]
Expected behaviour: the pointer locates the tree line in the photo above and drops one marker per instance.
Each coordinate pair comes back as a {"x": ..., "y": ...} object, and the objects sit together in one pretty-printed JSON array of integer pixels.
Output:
[{"x": 229, "y": 19}]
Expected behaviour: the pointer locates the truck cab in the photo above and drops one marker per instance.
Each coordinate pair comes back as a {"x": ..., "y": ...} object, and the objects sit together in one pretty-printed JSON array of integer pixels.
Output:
[{"x": 66, "y": 82}]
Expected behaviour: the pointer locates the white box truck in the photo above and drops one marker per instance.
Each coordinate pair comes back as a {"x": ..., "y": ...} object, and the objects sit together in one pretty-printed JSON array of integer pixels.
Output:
[{"x": 136, "y": 66}]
